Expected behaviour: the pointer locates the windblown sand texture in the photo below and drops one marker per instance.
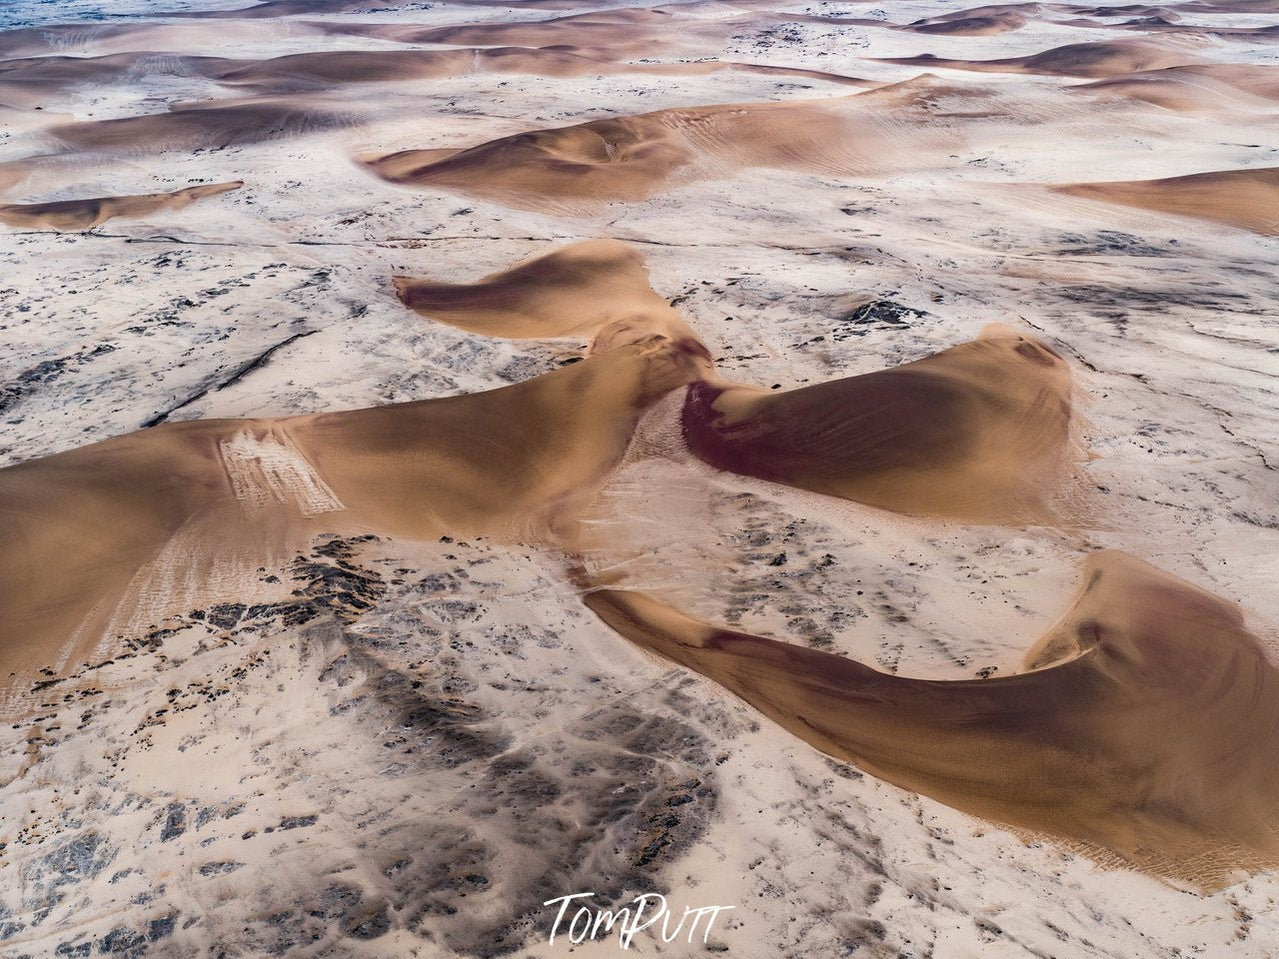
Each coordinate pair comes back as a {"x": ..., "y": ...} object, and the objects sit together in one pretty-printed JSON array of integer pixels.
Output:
[{"x": 629, "y": 448}]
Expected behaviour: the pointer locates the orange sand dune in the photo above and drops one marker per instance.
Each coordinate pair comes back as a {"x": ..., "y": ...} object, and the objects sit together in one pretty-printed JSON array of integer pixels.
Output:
[
  {"x": 198, "y": 126},
  {"x": 595, "y": 287},
  {"x": 110, "y": 537},
  {"x": 1202, "y": 88},
  {"x": 1074, "y": 60},
  {"x": 980, "y": 431},
  {"x": 88, "y": 213},
  {"x": 1142, "y": 729},
  {"x": 632, "y": 157},
  {"x": 1242, "y": 198}
]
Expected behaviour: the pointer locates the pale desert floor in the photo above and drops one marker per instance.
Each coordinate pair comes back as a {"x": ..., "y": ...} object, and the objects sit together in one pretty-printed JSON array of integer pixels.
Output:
[{"x": 296, "y": 714}]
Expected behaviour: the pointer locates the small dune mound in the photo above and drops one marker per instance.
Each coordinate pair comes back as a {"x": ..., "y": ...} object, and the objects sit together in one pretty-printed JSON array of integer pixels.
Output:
[
  {"x": 589, "y": 288},
  {"x": 1244, "y": 198},
  {"x": 1142, "y": 730},
  {"x": 979, "y": 432},
  {"x": 88, "y": 213},
  {"x": 1092, "y": 60}
]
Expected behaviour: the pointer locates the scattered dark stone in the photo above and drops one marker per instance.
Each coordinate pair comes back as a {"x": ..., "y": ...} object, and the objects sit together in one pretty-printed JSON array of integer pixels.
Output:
[{"x": 175, "y": 821}]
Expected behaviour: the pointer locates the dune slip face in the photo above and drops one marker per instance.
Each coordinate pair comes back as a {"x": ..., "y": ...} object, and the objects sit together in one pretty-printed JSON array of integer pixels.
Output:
[{"x": 459, "y": 455}]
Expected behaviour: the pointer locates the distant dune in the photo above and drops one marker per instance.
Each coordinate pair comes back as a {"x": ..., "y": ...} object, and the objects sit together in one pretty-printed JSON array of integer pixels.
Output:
[
  {"x": 629, "y": 158},
  {"x": 1094, "y": 60}
]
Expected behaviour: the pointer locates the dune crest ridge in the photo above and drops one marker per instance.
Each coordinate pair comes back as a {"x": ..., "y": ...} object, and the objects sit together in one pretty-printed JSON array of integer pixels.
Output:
[{"x": 1141, "y": 728}]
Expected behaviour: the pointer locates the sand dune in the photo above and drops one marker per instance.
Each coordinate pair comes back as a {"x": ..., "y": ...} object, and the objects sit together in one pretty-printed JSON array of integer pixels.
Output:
[
  {"x": 116, "y": 533},
  {"x": 595, "y": 287},
  {"x": 637, "y": 31},
  {"x": 1093, "y": 60},
  {"x": 980, "y": 431},
  {"x": 88, "y": 213},
  {"x": 29, "y": 82},
  {"x": 1142, "y": 727},
  {"x": 979, "y": 22},
  {"x": 1201, "y": 88},
  {"x": 629, "y": 158},
  {"x": 199, "y": 126},
  {"x": 325, "y": 69},
  {"x": 1242, "y": 198}
]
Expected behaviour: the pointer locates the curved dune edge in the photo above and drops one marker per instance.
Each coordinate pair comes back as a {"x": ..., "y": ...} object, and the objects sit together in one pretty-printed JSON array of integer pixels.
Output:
[
  {"x": 1142, "y": 730},
  {"x": 105, "y": 540},
  {"x": 88, "y": 213},
  {"x": 1244, "y": 198},
  {"x": 578, "y": 290},
  {"x": 979, "y": 432}
]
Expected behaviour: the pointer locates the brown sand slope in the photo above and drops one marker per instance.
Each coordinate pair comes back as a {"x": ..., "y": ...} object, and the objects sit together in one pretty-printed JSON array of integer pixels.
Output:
[
  {"x": 632, "y": 157},
  {"x": 1093, "y": 60},
  {"x": 88, "y": 213},
  {"x": 110, "y": 537},
  {"x": 980, "y": 431},
  {"x": 594, "y": 287},
  {"x": 1144, "y": 726},
  {"x": 1242, "y": 198}
]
